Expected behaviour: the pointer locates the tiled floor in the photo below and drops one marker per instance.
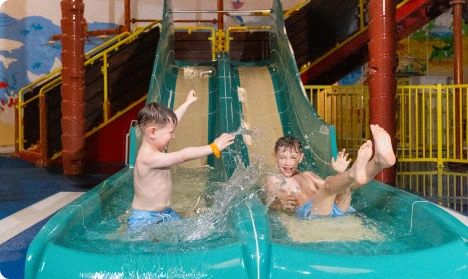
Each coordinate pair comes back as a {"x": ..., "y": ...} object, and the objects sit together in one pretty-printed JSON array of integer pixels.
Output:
[{"x": 22, "y": 185}]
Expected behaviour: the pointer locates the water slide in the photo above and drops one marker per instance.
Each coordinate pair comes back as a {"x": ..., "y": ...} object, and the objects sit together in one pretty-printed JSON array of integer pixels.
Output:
[{"x": 227, "y": 232}]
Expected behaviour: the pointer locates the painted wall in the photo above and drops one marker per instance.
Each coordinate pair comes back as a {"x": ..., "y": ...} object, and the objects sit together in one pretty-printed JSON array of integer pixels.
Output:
[
  {"x": 427, "y": 52},
  {"x": 27, "y": 53}
]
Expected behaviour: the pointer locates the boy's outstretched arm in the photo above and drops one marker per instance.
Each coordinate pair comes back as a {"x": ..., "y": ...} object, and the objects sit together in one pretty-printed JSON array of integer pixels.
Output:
[
  {"x": 163, "y": 160},
  {"x": 180, "y": 111}
]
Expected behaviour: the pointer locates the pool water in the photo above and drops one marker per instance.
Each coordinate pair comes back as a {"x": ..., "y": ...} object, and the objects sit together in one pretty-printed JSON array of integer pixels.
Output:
[
  {"x": 200, "y": 197},
  {"x": 383, "y": 224}
]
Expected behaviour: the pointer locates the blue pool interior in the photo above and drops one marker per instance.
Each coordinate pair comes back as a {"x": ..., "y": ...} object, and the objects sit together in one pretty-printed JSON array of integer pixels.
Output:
[{"x": 231, "y": 233}]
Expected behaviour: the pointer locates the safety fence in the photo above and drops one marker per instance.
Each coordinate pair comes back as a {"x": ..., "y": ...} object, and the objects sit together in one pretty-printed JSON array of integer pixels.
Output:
[
  {"x": 431, "y": 120},
  {"x": 446, "y": 188}
]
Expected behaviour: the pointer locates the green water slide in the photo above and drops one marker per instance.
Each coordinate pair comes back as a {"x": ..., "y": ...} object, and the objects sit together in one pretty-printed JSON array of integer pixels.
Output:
[{"x": 393, "y": 234}]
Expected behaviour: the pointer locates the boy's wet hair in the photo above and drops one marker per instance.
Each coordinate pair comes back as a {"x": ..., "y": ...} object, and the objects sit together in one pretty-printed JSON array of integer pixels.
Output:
[
  {"x": 290, "y": 143},
  {"x": 157, "y": 114}
]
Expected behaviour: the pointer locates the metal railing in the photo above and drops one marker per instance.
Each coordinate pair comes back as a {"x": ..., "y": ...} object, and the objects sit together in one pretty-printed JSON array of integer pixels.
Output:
[
  {"x": 54, "y": 79},
  {"x": 212, "y": 38},
  {"x": 432, "y": 123},
  {"x": 431, "y": 120},
  {"x": 242, "y": 29},
  {"x": 362, "y": 27},
  {"x": 448, "y": 189},
  {"x": 345, "y": 107}
]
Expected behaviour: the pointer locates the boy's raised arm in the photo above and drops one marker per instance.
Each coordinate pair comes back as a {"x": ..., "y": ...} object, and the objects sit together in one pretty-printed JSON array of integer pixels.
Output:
[
  {"x": 163, "y": 160},
  {"x": 191, "y": 98}
]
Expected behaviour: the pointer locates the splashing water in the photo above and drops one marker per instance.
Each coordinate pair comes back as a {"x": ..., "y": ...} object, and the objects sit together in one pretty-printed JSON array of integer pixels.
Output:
[
  {"x": 214, "y": 221},
  {"x": 193, "y": 73},
  {"x": 242, "y": 130}
]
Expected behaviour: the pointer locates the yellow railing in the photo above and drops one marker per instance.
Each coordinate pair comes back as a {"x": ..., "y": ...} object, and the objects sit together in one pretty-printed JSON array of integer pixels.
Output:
[
  {"x": 296, "y": 8},
  {"x": 212, "y": 38},
  {"x": 432, "y": 123},
  {"x": 431, "y": 120},
  {"x": 346, "y": 107},
  {"x": 241, "y": 29},
  {"x": 54, "y": 79},
  {"x": 362, "y": 27},
  {"x": 444, "y": 188}
]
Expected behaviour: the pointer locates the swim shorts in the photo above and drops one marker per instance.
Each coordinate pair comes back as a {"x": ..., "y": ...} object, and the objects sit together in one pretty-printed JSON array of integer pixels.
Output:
[
  {"x": 303, "y": 212},
  {"x": 142, "y": 218}
]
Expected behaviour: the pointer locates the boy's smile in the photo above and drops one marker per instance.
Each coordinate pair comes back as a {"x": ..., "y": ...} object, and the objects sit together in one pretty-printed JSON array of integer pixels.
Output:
[{"x": 287, "y": 161}]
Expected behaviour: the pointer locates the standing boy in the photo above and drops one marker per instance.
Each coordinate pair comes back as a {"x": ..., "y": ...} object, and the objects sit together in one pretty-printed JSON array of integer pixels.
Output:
[{"x": 152, "y": 176}]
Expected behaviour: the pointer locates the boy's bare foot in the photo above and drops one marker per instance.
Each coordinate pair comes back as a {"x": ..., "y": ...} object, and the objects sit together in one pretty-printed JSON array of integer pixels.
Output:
[
  {"x": 384, "y": 155},
  {"x": 358, "y": 170}
]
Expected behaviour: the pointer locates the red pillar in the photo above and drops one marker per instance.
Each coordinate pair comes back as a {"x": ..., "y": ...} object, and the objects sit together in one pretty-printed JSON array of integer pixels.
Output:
[
  {"x": 457, "y": 66},
  {"x": 73, "y": 101},
  {"x": 127, "y": 7},
  {"x": 220, "y": 4},
  {"x": 382, "y": 65}
]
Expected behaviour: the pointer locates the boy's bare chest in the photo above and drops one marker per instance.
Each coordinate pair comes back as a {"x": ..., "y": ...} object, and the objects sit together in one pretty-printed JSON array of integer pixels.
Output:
[{"x": 304, "y": 184}]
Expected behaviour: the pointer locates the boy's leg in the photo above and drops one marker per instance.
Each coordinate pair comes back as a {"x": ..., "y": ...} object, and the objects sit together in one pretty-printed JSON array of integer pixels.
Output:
[
  {"x": 323, "y": 201},
  {"x": 383, "y": 157}
]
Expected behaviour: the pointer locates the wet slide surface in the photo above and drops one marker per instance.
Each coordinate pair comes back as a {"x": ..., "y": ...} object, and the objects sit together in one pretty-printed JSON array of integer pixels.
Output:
[
  {"x": 259, "y": 112},
  {"x": 192, "y": 130}
]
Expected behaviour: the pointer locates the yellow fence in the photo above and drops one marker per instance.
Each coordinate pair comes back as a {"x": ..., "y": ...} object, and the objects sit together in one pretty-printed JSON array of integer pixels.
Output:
[
  {"x": 448, "y": 189},
  {"x": 431, "y": 120},
  {"x": 346, "y": 107}
]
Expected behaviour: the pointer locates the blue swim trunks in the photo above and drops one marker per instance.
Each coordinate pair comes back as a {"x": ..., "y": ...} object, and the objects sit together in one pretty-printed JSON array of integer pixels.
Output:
[
  {"x": 303, "y": 212},
  {"x": 142, "y": 218}
]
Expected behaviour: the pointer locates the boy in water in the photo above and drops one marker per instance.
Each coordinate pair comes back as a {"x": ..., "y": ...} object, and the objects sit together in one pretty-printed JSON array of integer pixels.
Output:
[
  {"x": 152, "y": 176},
  {"x": 309, "y": 195}
]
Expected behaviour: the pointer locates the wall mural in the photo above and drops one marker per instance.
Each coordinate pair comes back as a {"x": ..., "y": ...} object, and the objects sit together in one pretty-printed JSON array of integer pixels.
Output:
[
  {"x": 26, "y": 54},
  {"x": 427, "y": 52}
]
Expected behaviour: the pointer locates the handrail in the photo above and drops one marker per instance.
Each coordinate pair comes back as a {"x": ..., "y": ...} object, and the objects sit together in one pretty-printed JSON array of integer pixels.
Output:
[
  {"x": 54, "y": 79},
  {"x": 362, "y": 28},
  {"x": 229, "y": 12},
  {"x": 295, "y": 9},
  {"x": 56, "y": 71},
  {"x": 212, "y": 38},
  {"x": 309, "y": 64},
  {"x": 102, "y": 125},
  {"x": 242, "y": 28}
]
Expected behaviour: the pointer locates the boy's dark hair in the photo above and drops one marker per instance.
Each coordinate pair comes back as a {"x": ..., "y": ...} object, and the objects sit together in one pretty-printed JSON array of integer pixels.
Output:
[
  {"x": 158, "y": 114},
  {"x": 289, "y": 142}
]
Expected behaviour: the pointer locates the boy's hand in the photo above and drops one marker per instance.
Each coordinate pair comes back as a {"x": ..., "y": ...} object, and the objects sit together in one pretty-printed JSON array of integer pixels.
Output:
[
  {"x": 341, "y": 164},
  {"x": 290, "y": 204},
  {"x": 191, "y": 97},
  {"x": 224, "y": 141}
]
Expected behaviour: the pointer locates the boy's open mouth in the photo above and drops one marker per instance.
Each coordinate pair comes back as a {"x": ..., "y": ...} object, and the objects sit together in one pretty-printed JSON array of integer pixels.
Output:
[{"x": 287, "y": 171}]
